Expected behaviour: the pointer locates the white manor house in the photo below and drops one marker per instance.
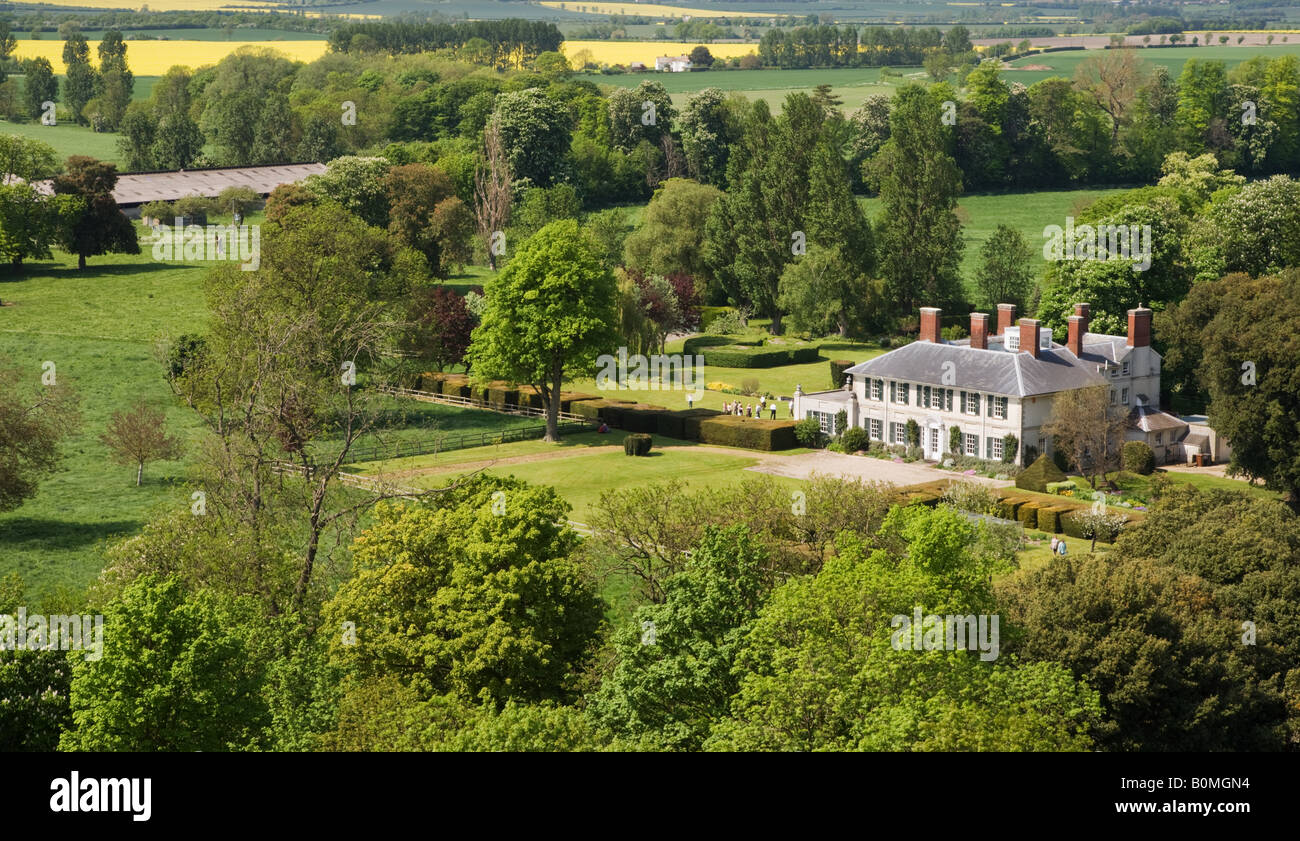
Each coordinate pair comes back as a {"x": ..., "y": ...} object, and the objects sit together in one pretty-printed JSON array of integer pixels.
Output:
[{"x": 993, "y": 384}]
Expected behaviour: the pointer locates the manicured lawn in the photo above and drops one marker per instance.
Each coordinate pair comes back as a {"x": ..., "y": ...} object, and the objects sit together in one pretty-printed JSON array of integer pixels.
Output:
[
  {"x": 1140, "y": 486},
  {"x": 584, "y": 471},
  {"x": 781, "y": 381}
]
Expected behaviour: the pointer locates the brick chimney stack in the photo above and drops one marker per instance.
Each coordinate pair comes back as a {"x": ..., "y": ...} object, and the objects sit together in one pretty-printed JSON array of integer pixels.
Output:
[
  {"x": 1006, "y": 318},
  {"x": 930, "y": 324},
  {"x": 979, "y": 330},
  {"x": 1029, "y": 336},
  {"x": 1078, "y": 327},
  {"x": 1139, "y": 327}
]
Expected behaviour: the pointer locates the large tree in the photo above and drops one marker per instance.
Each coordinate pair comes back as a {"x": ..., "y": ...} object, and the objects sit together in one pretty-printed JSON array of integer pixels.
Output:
[
  {"x": 1004, "y": 275},
  {"x": 670, "y": 237},
  {"x": 100, "y": 228},
  {"x": 80, "y": 78},
  {"x": 1089, "y": 429},
  {"x": 708, "y": 129},
  {"x": 535, "y": 132},
  {"x": 34, "y": 419},
  {"x": 918, "y": 234},
  {"x": 39, "y": 85},
  {"x": 426, "y": 214},
  {"x": 1252, "y": 369},
  {"x": 470, "y": 597},
  {"x": 549, "y": 314}
]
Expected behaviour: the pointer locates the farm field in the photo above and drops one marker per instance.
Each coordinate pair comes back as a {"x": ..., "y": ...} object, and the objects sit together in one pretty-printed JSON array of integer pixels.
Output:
[
  {"x": 1064, "y": 63},
  {"x": 626, "y": 52},
  {"x": 852, "y": 85},
  {"x": 645, "y": 9},
  {"x": 154, "y": 58},
  {"x": 170, "y": 5},
  {"x": 69, "y": 139}
]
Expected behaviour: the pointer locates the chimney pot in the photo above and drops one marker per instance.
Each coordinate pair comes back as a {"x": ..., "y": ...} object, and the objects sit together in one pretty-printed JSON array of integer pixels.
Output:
[
  {"x": 1139, "y": 327},
  {"x": 1029, "y": 336},
  {"x": 1006, "y": 317},
  {"x": 979, "y": 330},
  {"x": 930, "y": 324}
]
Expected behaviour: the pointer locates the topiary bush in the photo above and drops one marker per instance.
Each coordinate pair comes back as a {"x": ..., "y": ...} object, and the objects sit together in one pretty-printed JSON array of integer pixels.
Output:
[
  {"x": 954, "y": 440},
  {"x": 1037, "y": 475},
  {"x": 637, "y": 444},
  {"x": 1138, "y": 458},
  {"x": 855, "y": 438},
  {"x": 838, "y": 367},
  {"x": 913, "y": 433},
  {"x": 1010, "y": 444},
  {"x": 808, "y": 432}
]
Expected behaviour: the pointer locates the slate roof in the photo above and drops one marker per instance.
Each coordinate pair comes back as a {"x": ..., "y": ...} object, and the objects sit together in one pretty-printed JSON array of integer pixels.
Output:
[
  {"x": 1149, "y": 419},
  {"x": 995, "y": 370},
  {"x": 139, "y": 187}
]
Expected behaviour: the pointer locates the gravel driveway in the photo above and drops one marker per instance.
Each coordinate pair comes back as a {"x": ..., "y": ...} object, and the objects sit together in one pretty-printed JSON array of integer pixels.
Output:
[{"x": 861, "y": 467}]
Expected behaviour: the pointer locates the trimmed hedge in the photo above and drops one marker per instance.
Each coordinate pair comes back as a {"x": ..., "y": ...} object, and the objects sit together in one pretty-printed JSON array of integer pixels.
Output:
[
  {"x": 731, "y": 431},
  {"x": 838, "y": 367},
  {"x": 500, "y": 396},
  {"x": 637, "y": 444},
  {"x": 1138, "y": 458},
  {"x": 738, "y": 357},
  {"x": 1027, "y": 514},
  {"x": 695, "y": 344},
  {"x": 1036, "y": 476}
]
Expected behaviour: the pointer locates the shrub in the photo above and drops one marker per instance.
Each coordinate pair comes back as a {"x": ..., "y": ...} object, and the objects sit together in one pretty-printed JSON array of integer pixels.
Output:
[
  {"x": 637, "y": 444},
  {"x": 1010, "y": 444},
  {"x": 971, "y": 496},
  {"x": 954, "y": 440},
  {"x": 913, "y": 453},
  {"x": 855, "y": 438},
  {"x": 838, "y": 367},
  {"x": 913, "y": 433},
  {"x": 841, "y": 421},
  {"x": 734, "y": 356},
  {"x": 1037, "y": 475},
  {"x": 749, "y": 385},
  {"x": 722, "y": 322},
  {"x": 195, "y": 209},
  {"x": 163, "y": 211},
  {"x": 695, "y": 344},
  {"x": 1061, "y": 460},
  {"x": 808, "y": 432},
  {"x": 1138, "y": 458}
]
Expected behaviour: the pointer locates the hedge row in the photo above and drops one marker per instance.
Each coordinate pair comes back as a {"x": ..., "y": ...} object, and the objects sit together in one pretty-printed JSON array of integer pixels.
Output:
[
  {"x": 738, "y": 357},
  {"x": 1051, "y": 516},
  {"x": 695, "y": 344}
]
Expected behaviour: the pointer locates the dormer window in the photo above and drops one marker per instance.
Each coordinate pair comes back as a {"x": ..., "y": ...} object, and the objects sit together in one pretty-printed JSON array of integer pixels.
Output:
[{"x": 1125, "y": 372}]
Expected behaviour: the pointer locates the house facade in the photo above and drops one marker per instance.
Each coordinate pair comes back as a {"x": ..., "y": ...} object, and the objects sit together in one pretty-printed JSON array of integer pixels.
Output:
[
  {"x": 999, "y": 383},
  {"x": 672, "y": 63}
]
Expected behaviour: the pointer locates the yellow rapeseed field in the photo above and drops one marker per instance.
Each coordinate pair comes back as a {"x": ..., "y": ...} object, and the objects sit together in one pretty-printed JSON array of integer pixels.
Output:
[
  {"x": 626, "y": 52},
  {"x": 154, "y": 58},
  {"x": 649, "y": 10}
]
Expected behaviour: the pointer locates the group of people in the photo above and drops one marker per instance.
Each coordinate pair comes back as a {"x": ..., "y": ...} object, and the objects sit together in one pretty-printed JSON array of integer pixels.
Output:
[
  {"x": 1058, "y": 546},
  {"x": 749, "y": 410}
]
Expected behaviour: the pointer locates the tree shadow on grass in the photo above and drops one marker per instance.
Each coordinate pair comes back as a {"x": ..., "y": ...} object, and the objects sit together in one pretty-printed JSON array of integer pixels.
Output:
[
  {"x": 57, "y": 271},
  {"x": 33, "y": 532}
]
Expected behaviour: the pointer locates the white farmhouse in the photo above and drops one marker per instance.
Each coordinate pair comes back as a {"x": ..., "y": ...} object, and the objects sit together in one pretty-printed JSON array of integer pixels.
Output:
[
  {"x": 993, "y": 385},
  {"x": 672, "y": 63}
]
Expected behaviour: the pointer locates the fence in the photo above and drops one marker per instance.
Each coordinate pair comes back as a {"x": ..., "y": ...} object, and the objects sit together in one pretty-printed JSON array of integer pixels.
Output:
[
  {"x": 476, "y": 403},
  {"x": 447, "y": 442}
]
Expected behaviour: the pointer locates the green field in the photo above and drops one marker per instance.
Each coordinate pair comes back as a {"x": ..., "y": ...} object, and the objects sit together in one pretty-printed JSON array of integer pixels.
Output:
[
  {"x": 853, "y": 85},
  {"x": 1064, "y": 63},
  {"x": 1026, "y": 212},
  {"x": 68, "y": 139}
]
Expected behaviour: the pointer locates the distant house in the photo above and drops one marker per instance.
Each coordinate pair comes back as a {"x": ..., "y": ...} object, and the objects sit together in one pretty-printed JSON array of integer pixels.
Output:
[
  {"x": 637, "y": 67},
  {"x": 672, "y": 63},
  {"x": 993, "y": 384}
]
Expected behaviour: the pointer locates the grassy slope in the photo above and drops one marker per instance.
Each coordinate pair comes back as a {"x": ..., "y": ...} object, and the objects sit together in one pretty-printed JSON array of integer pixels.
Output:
[
  {"x": 68, "y": 139},
  {"x": 99, "y": 328},
  {"x": 1064, "y": 62}
]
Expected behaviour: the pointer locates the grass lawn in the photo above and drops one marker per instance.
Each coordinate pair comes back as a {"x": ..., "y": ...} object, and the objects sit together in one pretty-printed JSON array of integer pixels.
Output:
[
  {"x": 1065, "y": 62},
  {"x": 70, "y": 139},
  {"x": 1140, "y": 486},
  {"x": 813, "y": 376},
  {"x": 584, "y": 471},
  {"x": 852, "y": 85}
]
